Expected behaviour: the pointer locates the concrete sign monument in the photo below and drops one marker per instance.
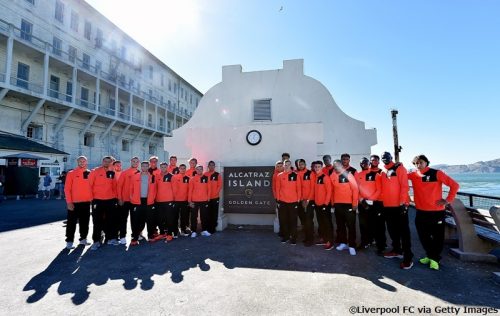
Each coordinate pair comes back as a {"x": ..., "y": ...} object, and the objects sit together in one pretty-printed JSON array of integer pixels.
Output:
[{"x": 250, "y": 118}]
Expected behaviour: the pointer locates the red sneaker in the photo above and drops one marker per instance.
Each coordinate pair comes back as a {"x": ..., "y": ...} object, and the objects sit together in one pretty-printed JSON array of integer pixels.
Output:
[
  {"x": 328, "y": 246},
  {"x": 393, "y": 254},
  {"x": 406, "y": 265}
]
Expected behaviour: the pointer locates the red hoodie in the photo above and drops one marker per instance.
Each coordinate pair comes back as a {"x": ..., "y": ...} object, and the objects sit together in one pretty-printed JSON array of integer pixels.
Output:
[
  {"x": 369, "y": 184},
  {"x": 344, "y": 188},
  {"x": 103, "y": 183},
  {"x": 428, "y": 188},
  {"x": 77, "y": 187},
  {"x": 395, "y": 185},
  {"x": 289, "y": 187}
]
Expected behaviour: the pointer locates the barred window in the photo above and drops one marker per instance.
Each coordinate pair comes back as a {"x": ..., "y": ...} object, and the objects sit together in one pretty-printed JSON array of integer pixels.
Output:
[{"x": 262, "y": 110}]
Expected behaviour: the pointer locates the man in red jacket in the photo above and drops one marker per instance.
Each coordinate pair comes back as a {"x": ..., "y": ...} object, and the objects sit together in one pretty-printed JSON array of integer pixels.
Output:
[
  {"x": 288, "y": 188},
  {"x": 103, "y": 184},
  {"x": 215, "y": 181},
  {"x": 192, "y": 167},
  {"x": 428, "y": 195},
  {"x": 306, "y": 212},
  {"x": 180, "y": 188},
  {"x": 321, "y": 202},
  {"x": 168, "y": 219},
  {"x": 345, "y": 202},
  {"x": 78, "y": 197},
  {"x": 172, "y": 167},
  {"x": 370, "y": 187},
  {"x": 142, "y": 197},
  {"x": 198, "y": 198},
  {"x": 123, "y": 193},
  {"x": 396, "y": 202}
]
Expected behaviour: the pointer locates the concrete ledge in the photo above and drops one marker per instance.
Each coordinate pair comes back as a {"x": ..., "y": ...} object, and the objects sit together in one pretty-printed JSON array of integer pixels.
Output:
[
  {"x": 250, "y": 219},
  {"x": 473, "y": 256}
]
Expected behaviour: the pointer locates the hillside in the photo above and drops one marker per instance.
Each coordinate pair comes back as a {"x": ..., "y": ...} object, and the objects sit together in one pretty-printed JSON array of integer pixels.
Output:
[{"x": 478, "y": 167}]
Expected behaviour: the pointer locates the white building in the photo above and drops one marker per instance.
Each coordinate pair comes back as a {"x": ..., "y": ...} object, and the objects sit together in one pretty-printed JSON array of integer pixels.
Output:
[
  {"x": 70, "y": 79},
  {"x": 292, "y": 112}
]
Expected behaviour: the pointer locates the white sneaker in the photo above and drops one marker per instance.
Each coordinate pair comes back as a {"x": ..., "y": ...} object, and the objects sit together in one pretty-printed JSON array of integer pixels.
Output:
[
  {"x": 84, "y": 242},
  {"x": 193, "y": 235},
  {"x": 352, "y": 251},
  {"x": 205, "y": 233},
  {"x": 141, "y": 237},
  {"x": 123, "y": 241},
  {"x": 95, "y": 246},
  {"x": 342, "y": 247},
  {"x": 69, "y": 245}
]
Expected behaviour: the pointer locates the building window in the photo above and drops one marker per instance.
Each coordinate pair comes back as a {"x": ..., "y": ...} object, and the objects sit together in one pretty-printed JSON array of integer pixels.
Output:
[
  {"x": 151, "y": 72},
  {"x": 169, "y": 126},
  {"x": 262, "y": 110},
  {"x": 175, "y": 88},
  {"x": 162, "y": 123},
  {"x": 152, "y": 149},
  {"x": 150, "y": 120},
  {"x": 86, "y": 61},
  {"x": 69, "y": 91},
  {"x": 59, "y": 11},
  {"x": 23, "y": 75},
  {"x": 98, "y": 38},
  {"x": 190, "y": 99},
  {"x": 84, "y": 97},
  {"x": 72, "y": 54},
  {"x": 98, "y": 65},
  {"x": 56, "y": 46},
  {"x": 123, "y": 52},
  {"x": 87, "y": 32},
  {"x": 34, "y": 131},
  {"x": 26, "y": 30},
  {"x": 125, "y": 145},
  {"x": 169, "y": 85},
  {"x": 88, "y": 140},
  {"x": 54, "y": 86},
  {"x": 75, "y": 19}
]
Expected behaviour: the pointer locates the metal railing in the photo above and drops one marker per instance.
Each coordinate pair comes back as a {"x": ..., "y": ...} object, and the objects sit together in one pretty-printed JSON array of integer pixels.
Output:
[
  {"x": 25, "y": 84},
  {"x": 86, "y": 104},
  {"x": 56, "y": 94},
  {"x": 137, "y": 120}
]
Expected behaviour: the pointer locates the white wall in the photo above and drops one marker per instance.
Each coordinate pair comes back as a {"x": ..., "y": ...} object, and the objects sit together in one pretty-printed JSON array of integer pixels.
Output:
[{"x": 306, "y": 121}]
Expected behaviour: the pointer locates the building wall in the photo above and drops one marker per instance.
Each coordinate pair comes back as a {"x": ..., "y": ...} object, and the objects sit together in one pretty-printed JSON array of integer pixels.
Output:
[
  {"x": 149, "y": 103},
  {"x": 306, "y": 121}
]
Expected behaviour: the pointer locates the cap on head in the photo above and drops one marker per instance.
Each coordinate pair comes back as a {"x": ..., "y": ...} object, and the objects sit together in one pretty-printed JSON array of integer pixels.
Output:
[
  {"x": 364, "y": 161},
  {"x": 386, "y": 157}
]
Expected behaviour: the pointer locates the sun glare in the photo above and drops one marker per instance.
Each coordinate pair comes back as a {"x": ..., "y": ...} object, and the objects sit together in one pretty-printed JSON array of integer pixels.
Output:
[{"x": 153, "y": 20}]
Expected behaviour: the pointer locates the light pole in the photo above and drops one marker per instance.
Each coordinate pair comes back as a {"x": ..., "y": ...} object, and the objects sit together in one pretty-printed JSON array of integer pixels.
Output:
[{"x": 397, "y": 148}]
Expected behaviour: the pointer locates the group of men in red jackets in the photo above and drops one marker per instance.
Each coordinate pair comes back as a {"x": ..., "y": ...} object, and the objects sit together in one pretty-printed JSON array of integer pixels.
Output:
[
  {"x": 165, "y": 200},
  {"x": 378, "y": 197}
]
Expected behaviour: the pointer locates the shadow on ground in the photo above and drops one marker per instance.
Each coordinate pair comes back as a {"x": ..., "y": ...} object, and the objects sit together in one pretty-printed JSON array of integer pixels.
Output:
[
  {"x": 76, "y": 270},
  {"x": 17, "y": 214}
]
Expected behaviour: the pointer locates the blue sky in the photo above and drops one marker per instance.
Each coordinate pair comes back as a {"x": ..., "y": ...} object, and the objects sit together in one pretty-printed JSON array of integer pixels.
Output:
[{"x": 437, "y": 62}]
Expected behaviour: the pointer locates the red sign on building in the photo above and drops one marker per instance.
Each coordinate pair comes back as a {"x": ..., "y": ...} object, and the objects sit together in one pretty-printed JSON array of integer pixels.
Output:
[{"x": 25, "y": 162}]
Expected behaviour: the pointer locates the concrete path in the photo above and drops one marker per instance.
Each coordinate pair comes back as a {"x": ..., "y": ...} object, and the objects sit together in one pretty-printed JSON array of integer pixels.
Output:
[{"x": 235, "y": 272}]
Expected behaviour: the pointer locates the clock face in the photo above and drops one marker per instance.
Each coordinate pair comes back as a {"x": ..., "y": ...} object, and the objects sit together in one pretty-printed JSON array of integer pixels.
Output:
[{"x": 254, "y": 137}]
